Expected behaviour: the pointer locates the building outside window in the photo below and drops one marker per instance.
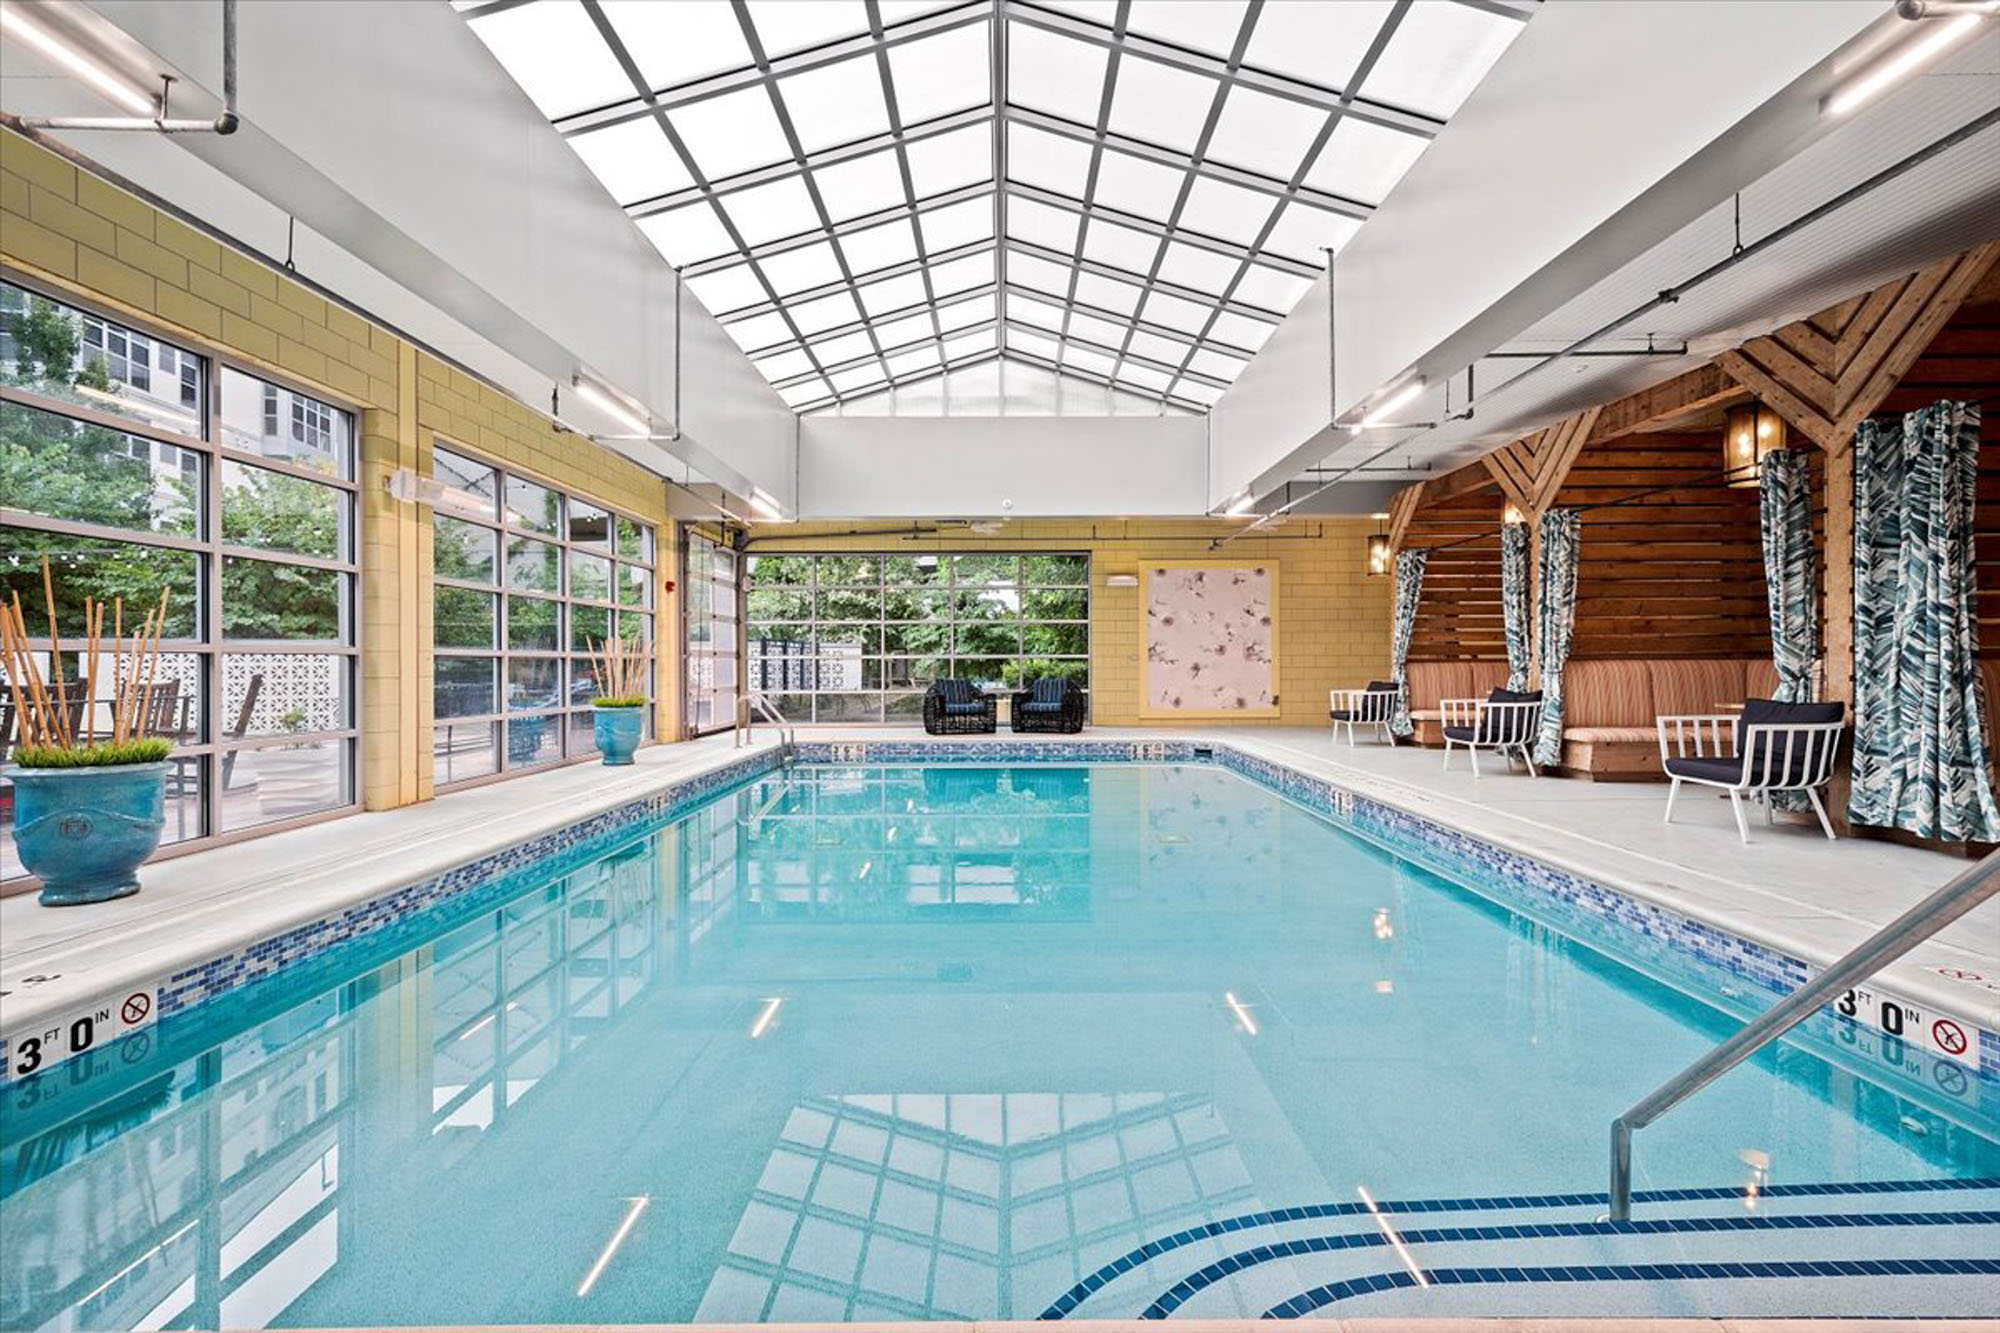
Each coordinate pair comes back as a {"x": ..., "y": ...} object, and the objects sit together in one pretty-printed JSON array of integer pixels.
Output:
[
  {"x": 122, "y": 462},
  {"x": 711, "y": 603},
  {"x": 858, "y": 638},
  {"x": 529, "y": 581}
]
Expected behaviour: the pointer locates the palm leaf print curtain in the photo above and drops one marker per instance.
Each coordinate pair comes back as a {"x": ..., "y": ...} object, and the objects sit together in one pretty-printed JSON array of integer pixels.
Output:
[
  {"x": 1920, "y": 749},
  {"x": 1514, "y": 601},
  {"x": 1409, "y": 588},
  {"x": 1556, "y": 625},
  {"x": 1791, "y": 577}
]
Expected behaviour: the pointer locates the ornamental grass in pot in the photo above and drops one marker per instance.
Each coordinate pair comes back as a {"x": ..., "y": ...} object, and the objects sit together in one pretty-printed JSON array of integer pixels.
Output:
[
  {"x": 620, "y": 722},
  {"x": 89, "y": 804}
]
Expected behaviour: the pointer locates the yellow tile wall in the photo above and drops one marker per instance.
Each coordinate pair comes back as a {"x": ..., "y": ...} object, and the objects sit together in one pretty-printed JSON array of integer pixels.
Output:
[
  {"x": 1333, "y": 620},
  {"x": 66, "y": 230}
]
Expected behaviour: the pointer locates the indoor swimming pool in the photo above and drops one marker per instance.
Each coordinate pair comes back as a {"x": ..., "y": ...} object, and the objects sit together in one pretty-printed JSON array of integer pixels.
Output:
[{"x": 914, "y": 1042}]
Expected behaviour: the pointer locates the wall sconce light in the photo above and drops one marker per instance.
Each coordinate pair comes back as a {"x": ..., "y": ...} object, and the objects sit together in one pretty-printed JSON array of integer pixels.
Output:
[
  {"x": 1512, "y": 515},
  {"x": 1750, "y": 433},
  {"x": 1380, "y": 558},
  {"x": 1121, "y": 580}
]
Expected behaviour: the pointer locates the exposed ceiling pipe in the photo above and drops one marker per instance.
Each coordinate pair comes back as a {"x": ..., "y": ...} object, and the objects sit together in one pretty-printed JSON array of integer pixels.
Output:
[
  {"x": 61, "y": 50},
  {"x": 1970, "y": 129}
]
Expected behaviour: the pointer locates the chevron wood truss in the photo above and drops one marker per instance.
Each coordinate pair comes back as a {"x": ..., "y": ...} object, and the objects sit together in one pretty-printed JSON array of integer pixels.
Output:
[
  {"x": 1532, "y": 469},
  {"x": 1826, "y": 373},
  {"x": 1401, "y": 510}
]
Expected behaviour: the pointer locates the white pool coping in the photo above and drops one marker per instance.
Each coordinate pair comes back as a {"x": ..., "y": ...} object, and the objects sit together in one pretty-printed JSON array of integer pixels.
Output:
[
  {"x": 1790, "y": 889},
  {"x": 194, "y": 908}
]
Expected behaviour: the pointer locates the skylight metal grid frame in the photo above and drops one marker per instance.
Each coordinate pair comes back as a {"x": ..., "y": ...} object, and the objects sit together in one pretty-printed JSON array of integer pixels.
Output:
[{"x": 802, "y": 365}]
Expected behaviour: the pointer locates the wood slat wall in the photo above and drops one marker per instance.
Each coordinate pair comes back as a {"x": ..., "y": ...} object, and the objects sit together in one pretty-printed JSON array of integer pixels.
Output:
[
  {"x": 1459, "y": 617},
  {"x": 1677, "y": 574}
]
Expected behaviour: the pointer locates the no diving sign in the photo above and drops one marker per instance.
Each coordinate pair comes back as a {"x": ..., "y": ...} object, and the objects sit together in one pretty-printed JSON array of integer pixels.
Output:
[
  {"x": 50, "y": 1043},
  {"x": 1905, "y": 1021}
]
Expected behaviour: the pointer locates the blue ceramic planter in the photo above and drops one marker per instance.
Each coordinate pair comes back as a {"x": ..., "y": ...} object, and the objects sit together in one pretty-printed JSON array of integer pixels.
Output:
[
  {"x": 85, "y": 831},
  {"x": 619, "y": 731}
]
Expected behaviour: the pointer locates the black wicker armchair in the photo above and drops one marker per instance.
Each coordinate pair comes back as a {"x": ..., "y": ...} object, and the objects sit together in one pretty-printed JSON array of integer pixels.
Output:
[
  {"x": 958, "y": 708},
  {"x": 1050, "y": 703}
]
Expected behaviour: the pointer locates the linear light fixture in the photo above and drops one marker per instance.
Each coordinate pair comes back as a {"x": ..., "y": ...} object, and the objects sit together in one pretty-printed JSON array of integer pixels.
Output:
[
  {"x": 765, "y": 506},
  {"x": 1241, "y": 505},
  {"x": 612, "y": 403},
  {"x": 765, "y": 1019},
  {"x": 1916, "y": 52},
  {"x": 14, "y": 20},
  {"x": 1243, "y": 1019},
  {"x": 1385, "y": 411},
  {"x": 638, "y": 1206}
]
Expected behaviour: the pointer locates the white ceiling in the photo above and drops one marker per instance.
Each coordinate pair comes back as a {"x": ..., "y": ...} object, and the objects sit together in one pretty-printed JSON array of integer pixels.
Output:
[
  {"x": 1905, "y": 182},
  {"x": 1148, "y": 195}
]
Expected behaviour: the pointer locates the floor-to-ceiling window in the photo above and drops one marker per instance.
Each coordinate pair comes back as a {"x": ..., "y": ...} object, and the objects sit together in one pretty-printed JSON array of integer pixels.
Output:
[
  {"x": 136, "y": 466},
  {"x": 528, "y": 583},
  {"x": 714, "y": 632},
  {"x": 857, "y": 638}
]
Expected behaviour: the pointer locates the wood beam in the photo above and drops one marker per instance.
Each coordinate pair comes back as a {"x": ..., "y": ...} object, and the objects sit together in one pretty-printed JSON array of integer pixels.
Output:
[
  {"x": 1824, "y": 374},
  {"x": 1533, "y": 469},
  {"x": 1502, "y": 468},
  {"x": 1692, "y": 391},
  {"x": 1402, "y": 509},
  {"x": 1463, "y": 480}
]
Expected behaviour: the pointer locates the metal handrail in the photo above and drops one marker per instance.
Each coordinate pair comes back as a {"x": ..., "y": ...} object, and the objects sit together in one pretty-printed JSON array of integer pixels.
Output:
[
  {"x": 748, "y": 705},
  {"x": 1965, "y": 892}
]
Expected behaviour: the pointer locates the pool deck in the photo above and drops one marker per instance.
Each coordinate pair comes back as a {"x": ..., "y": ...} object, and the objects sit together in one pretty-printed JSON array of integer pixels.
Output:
[{"x": 1790, "y": 888}]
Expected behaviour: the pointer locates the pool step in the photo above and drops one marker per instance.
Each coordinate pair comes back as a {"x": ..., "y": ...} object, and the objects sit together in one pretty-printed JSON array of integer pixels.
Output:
[{"x": 1921, "y": 1249}]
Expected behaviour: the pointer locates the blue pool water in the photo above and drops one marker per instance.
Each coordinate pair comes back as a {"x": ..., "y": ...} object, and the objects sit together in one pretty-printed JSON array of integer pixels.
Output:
[{"x": 894, "y": 1042}]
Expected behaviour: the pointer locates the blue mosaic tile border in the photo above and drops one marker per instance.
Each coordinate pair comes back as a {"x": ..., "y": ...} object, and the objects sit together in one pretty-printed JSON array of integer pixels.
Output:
[
  {"x": 1694, "y": 955},
  {"x": 252, "y": 962},
  {"x": 1625, "y": 926},
  {"x": 1320, "y": 1297},
  {"x": 1002, "y": 752},
  {"x": 1094, "y": 1282},
  {"x": 1628, "y": 928}
]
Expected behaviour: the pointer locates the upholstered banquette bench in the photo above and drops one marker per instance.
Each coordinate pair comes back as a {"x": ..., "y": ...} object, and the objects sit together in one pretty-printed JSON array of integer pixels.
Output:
[
  {"x": 1432, "y": 681},
  {"x": 1608, "y": 706}
]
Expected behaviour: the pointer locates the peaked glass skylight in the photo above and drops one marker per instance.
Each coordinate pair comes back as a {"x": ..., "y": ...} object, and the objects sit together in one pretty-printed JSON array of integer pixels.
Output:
[{"x": 871, "y": 194}]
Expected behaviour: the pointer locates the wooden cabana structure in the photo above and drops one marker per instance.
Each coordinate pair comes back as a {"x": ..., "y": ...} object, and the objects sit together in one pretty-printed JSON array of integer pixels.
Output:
[{"x": 1671, "y": 610}]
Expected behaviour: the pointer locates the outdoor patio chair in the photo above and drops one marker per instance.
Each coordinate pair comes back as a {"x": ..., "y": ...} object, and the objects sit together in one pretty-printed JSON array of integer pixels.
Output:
[
  {"x": 958, "y": 708},
  {"x": 1772, "y": 747},
  {"x": 1370, "y": 707},
  {"x": 1050, "y": 703},
  {"x": 1505, "y": 720}
]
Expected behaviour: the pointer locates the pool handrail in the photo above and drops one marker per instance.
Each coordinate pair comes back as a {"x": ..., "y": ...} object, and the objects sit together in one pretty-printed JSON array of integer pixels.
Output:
[
  {"x": 753, "y": 702},
  {"x": 1964, "y": 892}
]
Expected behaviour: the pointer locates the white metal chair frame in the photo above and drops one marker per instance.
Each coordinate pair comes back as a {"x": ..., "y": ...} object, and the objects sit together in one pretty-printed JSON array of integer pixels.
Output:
[
  {"x": 1367, "y": 708},
  {"x": 1768, "y": 750},
  {"x": 1512, "y": 726}
]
